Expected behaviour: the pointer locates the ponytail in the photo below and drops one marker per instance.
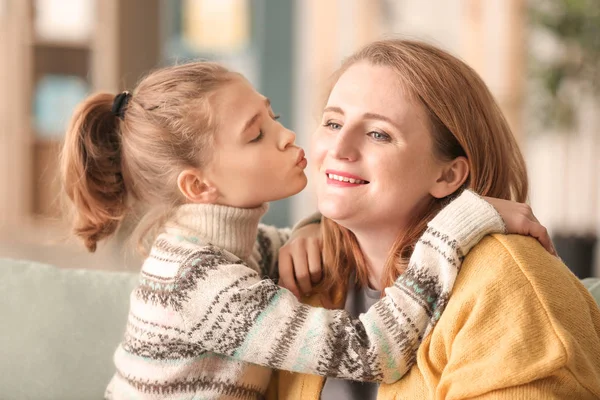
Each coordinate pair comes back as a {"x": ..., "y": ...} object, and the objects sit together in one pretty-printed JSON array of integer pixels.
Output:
[
  {"x": 91, "y": 170},
  {"x": 132, "y": 147}
]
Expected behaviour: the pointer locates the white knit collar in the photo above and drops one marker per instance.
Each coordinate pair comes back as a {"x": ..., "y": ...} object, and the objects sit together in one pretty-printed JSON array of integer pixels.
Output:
[{"x": 230, "y": 228}]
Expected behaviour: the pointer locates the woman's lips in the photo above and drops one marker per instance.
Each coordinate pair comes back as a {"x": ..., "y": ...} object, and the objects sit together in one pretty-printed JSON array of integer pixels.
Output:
[{"x": 340, "y": 178}]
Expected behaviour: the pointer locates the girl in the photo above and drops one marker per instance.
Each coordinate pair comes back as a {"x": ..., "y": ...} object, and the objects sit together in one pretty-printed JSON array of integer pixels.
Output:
[{"x": 201, "y": 152}]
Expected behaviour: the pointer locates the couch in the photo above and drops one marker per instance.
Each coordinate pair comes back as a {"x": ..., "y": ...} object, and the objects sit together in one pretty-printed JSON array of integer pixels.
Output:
[{"x": 60, "y": 328}]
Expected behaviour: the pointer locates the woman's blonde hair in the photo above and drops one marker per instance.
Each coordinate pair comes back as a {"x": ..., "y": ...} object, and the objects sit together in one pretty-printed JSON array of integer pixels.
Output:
[
  {"x": 109, "y": 163},
  {"x": 465, "y": 121}
]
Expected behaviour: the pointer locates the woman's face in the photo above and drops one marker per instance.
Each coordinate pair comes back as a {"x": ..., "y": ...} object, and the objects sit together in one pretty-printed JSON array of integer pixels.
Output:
[
  {"x": 373, "y": 155},
  {"x": 254, "y": 159}
]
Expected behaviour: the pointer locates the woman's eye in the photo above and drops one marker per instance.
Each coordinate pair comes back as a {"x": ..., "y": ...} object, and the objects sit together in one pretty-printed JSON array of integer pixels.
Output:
[
  {"x": 379, "y": 136},
  {"x": 258, "y": 138},
  {"x": 333, "y": 125}
]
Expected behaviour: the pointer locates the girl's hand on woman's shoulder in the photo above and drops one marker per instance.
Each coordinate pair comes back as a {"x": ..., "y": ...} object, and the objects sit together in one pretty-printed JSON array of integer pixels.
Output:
[
  {"x": 519, "y": 219},
  {"x": 300, "y": 265}
]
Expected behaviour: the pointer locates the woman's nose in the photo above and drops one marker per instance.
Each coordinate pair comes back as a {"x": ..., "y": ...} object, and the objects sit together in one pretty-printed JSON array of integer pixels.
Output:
[{"x": 344, "y": 147}]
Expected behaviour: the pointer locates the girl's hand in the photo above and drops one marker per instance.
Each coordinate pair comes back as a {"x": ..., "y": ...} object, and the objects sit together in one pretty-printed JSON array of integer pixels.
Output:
[
  {"x": 300, "y": 264},
  {"x": 519, "y": 219}
]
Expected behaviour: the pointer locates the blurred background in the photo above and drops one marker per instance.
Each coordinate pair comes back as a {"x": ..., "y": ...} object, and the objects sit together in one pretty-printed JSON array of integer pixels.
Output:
[{"x": 541, "y": 59}]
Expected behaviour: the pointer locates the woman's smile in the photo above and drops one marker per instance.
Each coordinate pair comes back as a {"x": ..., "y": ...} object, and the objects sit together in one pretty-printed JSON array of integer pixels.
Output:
[{"x": 344, "y": 179}]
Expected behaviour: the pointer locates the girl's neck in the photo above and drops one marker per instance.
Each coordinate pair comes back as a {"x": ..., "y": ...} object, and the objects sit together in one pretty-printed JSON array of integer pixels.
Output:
[
  {"x": 230, "y": 228},
  {"x": 376, "y": 245}
]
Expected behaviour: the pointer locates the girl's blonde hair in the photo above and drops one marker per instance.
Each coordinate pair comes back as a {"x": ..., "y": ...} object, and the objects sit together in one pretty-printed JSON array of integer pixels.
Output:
[
  {"x": 109, "y": 164},
  {"x": 465, "y": 121}
]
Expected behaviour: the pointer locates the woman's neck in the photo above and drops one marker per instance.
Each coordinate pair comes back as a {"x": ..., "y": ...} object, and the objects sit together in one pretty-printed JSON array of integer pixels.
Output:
[{"x": 376, "y": 245}]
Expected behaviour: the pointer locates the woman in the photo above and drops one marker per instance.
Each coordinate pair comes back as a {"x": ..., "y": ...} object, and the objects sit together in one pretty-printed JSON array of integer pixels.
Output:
[{"x": 407, "y": 125}]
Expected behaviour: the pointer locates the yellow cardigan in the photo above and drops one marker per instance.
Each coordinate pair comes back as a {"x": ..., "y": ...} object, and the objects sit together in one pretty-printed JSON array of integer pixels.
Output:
[{"x": 519, "y": 325}]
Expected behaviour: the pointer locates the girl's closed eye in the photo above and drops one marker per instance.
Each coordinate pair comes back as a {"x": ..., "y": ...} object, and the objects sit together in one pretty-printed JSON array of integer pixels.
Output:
[
  {"x": 258, "y": 137},
  {"x": 261, "y": 133}
]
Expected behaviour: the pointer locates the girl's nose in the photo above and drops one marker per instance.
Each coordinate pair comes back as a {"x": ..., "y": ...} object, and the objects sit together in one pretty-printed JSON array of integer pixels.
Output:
[{"x": 286, "y": 138}]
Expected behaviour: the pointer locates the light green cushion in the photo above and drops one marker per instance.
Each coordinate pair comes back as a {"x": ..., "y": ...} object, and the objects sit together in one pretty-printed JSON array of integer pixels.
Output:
[
  {"x": 60, "y": 328},
  {"x": 593, "y": 285}
]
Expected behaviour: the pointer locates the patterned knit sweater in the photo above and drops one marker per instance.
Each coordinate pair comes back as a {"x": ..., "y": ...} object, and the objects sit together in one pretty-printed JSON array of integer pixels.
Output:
[{"x": 201, "y": 312}]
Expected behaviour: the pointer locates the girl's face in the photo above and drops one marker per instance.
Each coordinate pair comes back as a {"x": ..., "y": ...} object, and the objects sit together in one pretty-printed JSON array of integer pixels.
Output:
[
  {"x": 255, "y": 159},
  {"x": 373, "y": 155}
]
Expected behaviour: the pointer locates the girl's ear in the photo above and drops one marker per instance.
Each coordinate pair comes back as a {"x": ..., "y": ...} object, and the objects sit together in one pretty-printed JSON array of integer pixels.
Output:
[
  {"x": 453, "y": 176},
  {"x": 195, "y": 188}
]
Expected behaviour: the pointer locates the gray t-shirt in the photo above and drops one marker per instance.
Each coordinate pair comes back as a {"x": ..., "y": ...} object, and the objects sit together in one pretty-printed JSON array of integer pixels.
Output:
[{"x": 358, "y": 301}]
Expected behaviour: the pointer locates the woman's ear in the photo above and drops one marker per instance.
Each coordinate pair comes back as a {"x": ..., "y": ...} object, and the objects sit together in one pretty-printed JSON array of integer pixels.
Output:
[
  {"x": 453, "y": 176},
  {"x": 195, "y": 188}
]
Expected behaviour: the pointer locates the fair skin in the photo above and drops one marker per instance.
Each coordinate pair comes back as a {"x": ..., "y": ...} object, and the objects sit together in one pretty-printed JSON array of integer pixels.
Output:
[
  {"x": 386, "y": 154},
  {"x": 390, "y": 149},
  {"x": 253, "y": 157}
]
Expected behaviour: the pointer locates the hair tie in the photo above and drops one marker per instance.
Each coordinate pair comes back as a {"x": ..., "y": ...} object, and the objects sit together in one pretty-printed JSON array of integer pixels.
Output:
[{"x": 120, "y": 104}]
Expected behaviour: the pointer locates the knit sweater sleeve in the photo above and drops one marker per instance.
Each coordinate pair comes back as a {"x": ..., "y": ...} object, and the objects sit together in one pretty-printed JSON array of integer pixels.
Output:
[
  {"x": 234, "y": 313},
  {"x": 269, "y": 240}
]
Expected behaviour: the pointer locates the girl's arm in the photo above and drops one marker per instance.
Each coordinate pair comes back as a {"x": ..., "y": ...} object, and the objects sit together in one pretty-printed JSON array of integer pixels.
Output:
[
  {"x": 299, "y": 246},
  {"x": 269, "y": 239},
  {"x": 256, "y": 321}
]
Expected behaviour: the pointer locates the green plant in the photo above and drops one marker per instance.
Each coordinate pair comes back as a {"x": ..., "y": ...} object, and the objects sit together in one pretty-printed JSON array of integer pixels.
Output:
[{"x": 572, "y": 70}]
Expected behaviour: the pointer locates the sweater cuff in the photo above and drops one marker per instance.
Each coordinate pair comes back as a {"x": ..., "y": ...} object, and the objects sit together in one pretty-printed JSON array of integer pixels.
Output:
[{"x": 467, "y": 219}]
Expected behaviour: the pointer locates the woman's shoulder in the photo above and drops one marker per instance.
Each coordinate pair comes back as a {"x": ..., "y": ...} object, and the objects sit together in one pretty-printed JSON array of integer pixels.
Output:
[
  {"x": 513, "y": 299},
  {"x": 516, "y": 276},
  {"x": 515, "y": 258}
]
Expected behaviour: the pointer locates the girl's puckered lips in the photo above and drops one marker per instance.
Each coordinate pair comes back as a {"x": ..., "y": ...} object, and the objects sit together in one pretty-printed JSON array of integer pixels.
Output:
[{"x": 301, "y": 159}]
